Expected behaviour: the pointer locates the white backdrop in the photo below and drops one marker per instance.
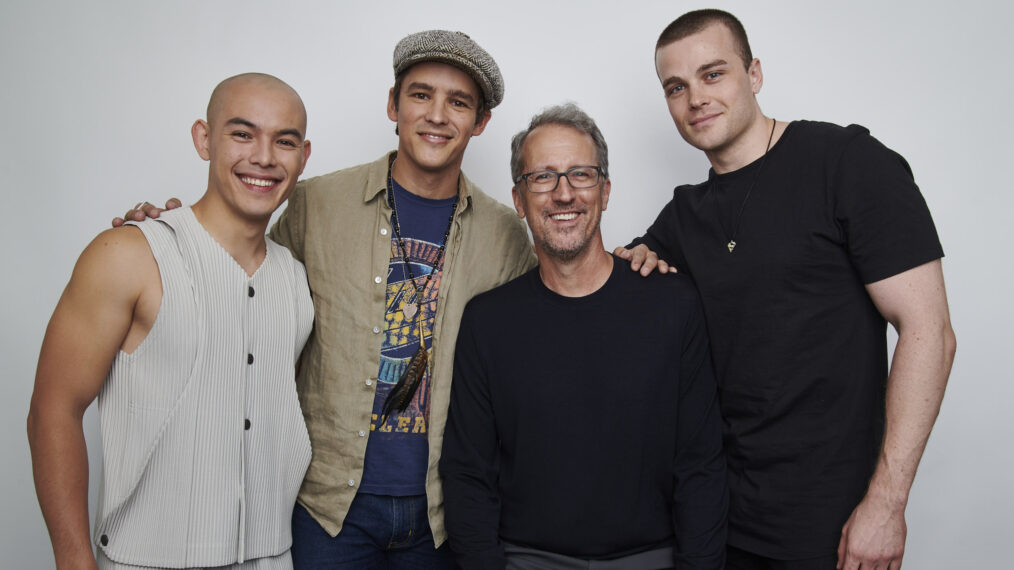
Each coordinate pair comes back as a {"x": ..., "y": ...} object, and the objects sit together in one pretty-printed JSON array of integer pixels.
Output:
[{"x": 98, "y": 98}]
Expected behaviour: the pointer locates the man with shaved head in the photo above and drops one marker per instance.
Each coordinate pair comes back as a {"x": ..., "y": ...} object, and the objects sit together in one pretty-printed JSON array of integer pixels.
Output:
[
  {"x": 394, "y": 249},
  {"x": 186, "y": 329}
]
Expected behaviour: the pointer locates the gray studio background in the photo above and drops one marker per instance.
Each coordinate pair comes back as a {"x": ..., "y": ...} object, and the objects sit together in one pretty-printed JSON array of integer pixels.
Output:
[{"x": 98, "y": 98}]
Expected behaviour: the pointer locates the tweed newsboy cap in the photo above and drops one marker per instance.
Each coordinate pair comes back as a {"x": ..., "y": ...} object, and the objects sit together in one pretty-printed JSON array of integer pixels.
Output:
[{"x": 453, "y": 48}]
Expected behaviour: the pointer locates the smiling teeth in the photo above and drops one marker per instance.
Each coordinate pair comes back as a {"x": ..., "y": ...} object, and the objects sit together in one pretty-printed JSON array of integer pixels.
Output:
[
  {"x": 564, "y": 217},
  {"x": 257, "y": 181}
]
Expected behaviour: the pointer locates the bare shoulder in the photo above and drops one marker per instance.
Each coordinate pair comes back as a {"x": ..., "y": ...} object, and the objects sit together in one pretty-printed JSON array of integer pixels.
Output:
[
  {"x": 117, "y": 248},
  {"x": 117, "y": 262}
]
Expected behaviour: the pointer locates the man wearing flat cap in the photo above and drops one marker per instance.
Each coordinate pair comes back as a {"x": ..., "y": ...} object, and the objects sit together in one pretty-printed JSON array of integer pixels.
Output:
[{"x": 394, "y": 249}]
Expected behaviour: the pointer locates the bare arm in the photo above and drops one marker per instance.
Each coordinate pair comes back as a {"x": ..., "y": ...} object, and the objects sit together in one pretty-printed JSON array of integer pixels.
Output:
[
  {"x": 916, "y": 304},
  {"x": 94, "y": 318}
]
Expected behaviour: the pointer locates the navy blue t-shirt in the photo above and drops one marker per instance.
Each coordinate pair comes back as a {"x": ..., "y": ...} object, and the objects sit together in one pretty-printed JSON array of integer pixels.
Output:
[{"x": 397, "y": 452}]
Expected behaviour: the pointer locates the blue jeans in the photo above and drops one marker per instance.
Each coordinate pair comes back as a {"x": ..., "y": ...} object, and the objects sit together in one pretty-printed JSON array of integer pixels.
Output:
[{"x": 379, "y": 532}]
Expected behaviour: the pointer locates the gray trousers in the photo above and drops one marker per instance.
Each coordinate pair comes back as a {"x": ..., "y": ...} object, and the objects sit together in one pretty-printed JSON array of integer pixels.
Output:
[
  {"x": 522, "y": 558},
  {"x": 280, "y": 562}
]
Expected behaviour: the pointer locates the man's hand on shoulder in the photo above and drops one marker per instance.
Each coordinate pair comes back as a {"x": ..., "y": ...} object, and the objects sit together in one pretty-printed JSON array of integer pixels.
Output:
[
  {"x": 644, "y": 259},
  {"x": 144, "y": 210},
  {"x": 873, "y": 537}
]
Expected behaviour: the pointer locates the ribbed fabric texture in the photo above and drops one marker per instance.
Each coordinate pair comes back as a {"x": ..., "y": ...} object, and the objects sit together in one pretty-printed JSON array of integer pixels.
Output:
[{"x": 204, "y": 444}]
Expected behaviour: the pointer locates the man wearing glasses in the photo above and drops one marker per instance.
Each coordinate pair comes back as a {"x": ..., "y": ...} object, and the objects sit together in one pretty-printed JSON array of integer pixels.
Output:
[{"x": 558, "y": 451}]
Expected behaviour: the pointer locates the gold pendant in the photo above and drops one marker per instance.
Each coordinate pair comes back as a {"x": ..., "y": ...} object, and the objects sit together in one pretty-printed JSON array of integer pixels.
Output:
[
  {"x": 409, "y": 310},
  {"x": 732, "y": 246}
]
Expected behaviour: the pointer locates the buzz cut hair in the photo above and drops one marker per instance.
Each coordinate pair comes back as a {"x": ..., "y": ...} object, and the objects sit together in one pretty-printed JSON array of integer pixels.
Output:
[{"x": 693, "y": 22}]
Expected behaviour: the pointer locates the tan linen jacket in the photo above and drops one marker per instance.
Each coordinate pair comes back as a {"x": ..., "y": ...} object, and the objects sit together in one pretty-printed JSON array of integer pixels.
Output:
[{"x": 339, "y": 226}]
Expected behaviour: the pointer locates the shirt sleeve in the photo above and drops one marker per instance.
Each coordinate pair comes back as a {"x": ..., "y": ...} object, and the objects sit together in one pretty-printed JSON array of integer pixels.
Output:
[
  {"x": 289, "y": 229},
  {"x": 469, "y": 462},
  {"x": 520, "y": 254},
  {"x": 885, "y": 221},
  {"x": 700, "y": 495},
  {"x": 662, "y": 237}
]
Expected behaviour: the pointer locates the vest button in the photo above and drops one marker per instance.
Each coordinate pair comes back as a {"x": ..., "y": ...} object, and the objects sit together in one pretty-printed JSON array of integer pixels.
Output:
[
  {"x": 249, "y": 359},
  {"x": 246, "y": 424},
  {"x": 104, "y": 540},
  {"x": 250, "y": 291}
]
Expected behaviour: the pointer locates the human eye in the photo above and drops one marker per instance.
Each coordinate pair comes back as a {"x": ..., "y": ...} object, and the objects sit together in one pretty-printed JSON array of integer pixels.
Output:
[
  {"x": 581, "y": 173},
  {"x": 241, "y": 135},
  {"x": 542, "y": 176},
  {"x": 674, "y": 89},
  {"x": 287, "y": 143},
  {"x": 713, "y": 75}
]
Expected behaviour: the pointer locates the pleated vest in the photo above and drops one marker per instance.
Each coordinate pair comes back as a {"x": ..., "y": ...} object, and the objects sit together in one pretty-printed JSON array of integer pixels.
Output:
[{"x": 204, "y": 445}]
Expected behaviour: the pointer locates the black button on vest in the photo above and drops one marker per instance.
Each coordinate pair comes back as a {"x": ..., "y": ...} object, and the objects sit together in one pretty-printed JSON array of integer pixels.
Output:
[
  {"x": 249, "y": 359},
  {"x": 246, "y": 424},
  {"x": 250, "y": 292},
  {"x": 104, "y": 540}
]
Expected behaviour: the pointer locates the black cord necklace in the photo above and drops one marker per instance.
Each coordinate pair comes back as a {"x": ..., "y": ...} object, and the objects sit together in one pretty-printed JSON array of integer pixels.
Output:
[
  {"x": 405, "y": 389},
  {"x": 739, "y": 216}
]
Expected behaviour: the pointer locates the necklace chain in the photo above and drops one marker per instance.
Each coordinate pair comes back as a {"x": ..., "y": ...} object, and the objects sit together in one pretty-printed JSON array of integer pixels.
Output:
[
  {"x": 404, "y": 251},
  {"x": 405, "y": 388},
  {"x": 739, "y": 215}
]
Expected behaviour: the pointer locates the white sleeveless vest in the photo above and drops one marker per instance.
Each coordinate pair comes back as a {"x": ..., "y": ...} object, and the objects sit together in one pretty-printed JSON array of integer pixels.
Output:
[{"x": 204, "y": 444}]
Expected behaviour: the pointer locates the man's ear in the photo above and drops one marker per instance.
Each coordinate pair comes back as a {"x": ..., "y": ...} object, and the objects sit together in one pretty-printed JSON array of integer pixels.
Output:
[
  {"x": 756, "y": 75},
  {"x": 306, "y": 156},
  {"x": 201, "y": 134},
  {"x": 392, "y": 106},
  {"x": 518, "y": 205},
  {"x": 481, "y": 125},
  {"x": 605, "y": 193}
]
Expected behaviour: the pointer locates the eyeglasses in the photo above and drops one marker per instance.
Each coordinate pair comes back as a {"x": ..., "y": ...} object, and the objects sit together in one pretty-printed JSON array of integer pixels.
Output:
[{"x": 540, "y": 181}]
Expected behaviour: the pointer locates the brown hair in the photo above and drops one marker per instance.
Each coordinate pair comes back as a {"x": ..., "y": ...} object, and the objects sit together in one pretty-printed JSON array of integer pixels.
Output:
[{"x": 692, "y": 22}]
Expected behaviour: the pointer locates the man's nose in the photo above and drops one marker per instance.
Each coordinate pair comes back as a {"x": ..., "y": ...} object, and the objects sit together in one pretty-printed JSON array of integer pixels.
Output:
[{"x": 263, "y": 153}]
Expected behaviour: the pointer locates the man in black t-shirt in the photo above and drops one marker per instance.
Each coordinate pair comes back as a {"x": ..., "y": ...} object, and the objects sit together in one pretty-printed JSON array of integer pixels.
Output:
[
  {"x": 806, "y": 239},
  {"x": 560, "y": 452}
]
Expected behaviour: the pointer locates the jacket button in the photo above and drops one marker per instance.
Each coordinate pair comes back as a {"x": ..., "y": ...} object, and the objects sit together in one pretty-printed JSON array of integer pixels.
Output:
[
  {"x": 246, "y": 424},
  {"x": 104, "y": 540},
  {"x": 249, "y": 359},
  {"x": 249, "y": 292}
]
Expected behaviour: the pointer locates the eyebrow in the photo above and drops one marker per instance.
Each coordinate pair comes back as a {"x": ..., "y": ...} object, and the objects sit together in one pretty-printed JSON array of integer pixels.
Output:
[
  {"x": 283, "y": 132},
  {"x": 705, "y": 67},
  {"x": 460, "y": 94},
  {"x": 240, "y": 121}
]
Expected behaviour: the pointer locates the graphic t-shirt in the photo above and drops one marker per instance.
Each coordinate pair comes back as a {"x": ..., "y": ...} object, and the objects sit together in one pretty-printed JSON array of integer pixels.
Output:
[{"x": 397, "y": 451}]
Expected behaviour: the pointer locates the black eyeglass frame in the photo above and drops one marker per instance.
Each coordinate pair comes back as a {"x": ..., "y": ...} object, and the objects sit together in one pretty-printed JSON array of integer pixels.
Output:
[{"x": 566, "y": 174}]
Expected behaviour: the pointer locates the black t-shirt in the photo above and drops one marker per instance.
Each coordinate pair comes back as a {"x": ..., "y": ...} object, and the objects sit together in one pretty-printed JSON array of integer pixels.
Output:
[
  {"x": 585, "y": 426},
  {"x": 800, "y": 350}
]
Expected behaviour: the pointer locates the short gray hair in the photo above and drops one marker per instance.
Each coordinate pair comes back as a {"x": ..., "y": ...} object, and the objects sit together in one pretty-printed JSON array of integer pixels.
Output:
[{"x": 567, "y": 115}]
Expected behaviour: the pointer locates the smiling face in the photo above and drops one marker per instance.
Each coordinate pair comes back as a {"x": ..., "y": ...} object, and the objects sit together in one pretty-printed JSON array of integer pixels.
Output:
[
  {"x": 564, "y": 222},
  {"x": 436, "y": 116},
  {"x": 711, "y": 91},
  {"x": 253, "y": 139}
]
